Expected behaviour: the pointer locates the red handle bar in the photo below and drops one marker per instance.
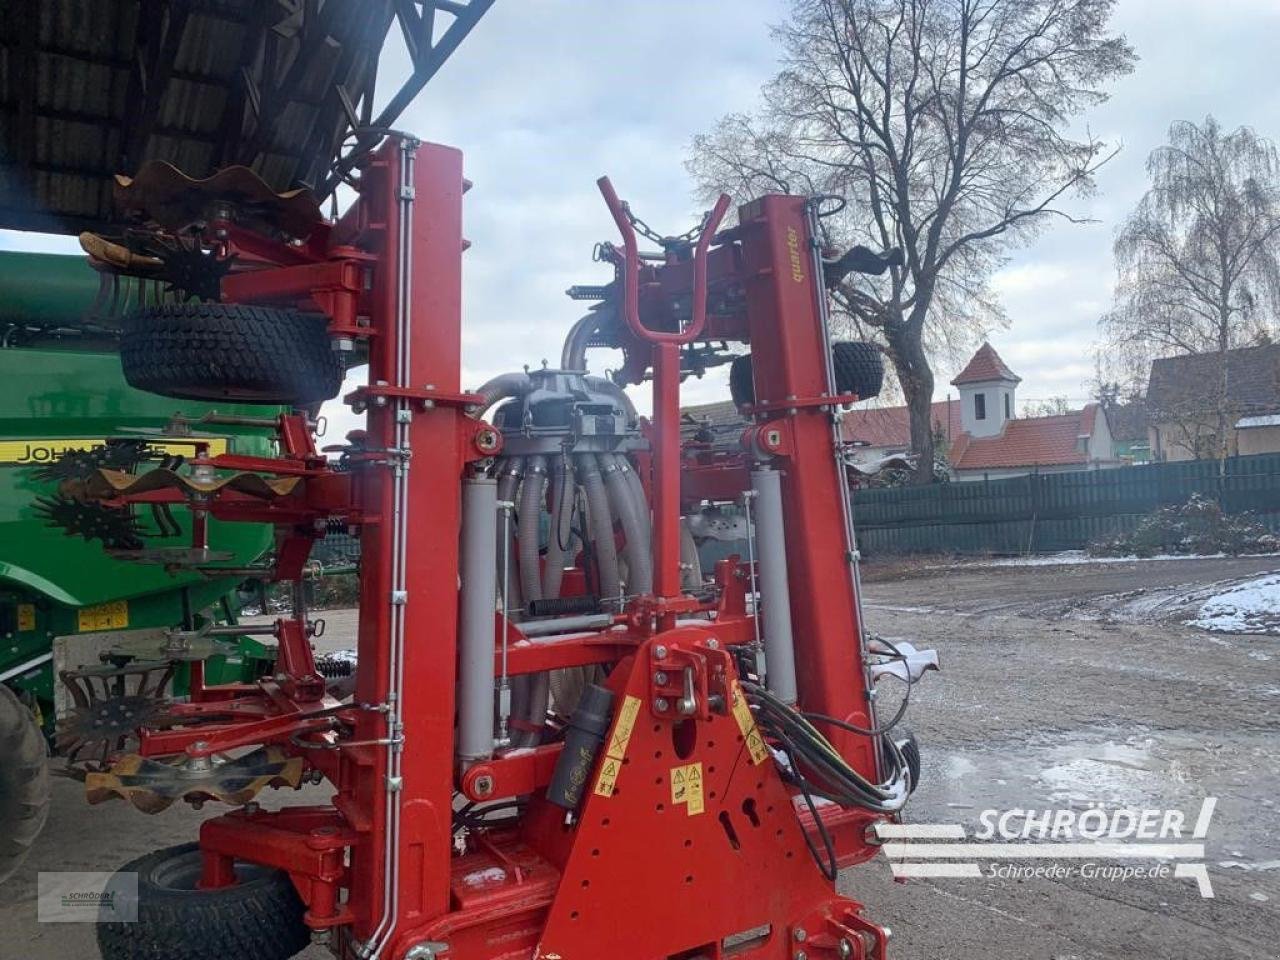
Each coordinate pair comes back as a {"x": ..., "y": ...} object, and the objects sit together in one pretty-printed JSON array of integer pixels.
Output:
[{"x": 631, "y": 270}]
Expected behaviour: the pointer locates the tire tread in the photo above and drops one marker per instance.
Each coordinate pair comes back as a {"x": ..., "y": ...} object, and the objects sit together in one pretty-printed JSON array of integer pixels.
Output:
[{"x": 224, "y": 351}]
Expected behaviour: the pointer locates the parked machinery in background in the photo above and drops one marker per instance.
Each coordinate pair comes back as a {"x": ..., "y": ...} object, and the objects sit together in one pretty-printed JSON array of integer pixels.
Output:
[{"x": 72, "y": 594}]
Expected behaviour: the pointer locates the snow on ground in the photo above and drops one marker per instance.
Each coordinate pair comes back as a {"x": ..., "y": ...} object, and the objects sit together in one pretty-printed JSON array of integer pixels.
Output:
[
  {"x": 1249, "y": 607},
  {"x": 1073, "y": 557}
]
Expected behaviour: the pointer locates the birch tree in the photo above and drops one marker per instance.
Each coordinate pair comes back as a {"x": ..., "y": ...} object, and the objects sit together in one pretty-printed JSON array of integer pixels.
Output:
[{"x": 1197, "y": 265}]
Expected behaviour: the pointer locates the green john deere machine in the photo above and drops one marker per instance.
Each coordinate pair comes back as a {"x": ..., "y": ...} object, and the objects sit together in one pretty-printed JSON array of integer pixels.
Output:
[
  {"x": 64, "y": 403},
  {"x": 260, "y": 107}
]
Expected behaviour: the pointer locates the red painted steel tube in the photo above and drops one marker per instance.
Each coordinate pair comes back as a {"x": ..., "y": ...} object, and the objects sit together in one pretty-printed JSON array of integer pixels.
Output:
[
  {"x": 631, "y": 270},
  {"x": 666, "y": 473},
  {"x": 788, "y": 352}
]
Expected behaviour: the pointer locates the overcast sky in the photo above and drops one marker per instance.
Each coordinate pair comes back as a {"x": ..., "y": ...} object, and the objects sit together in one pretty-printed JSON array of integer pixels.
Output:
[{"x": 547, "y": 95}]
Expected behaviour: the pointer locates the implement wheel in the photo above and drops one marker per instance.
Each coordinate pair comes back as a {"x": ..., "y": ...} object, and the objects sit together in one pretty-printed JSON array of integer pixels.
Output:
[
  {"x": 258, "y": 918},
  {"x": 24, "y": 782},
  {"x": 859, "y": 368},
  {"x": 226, "y": 351}
]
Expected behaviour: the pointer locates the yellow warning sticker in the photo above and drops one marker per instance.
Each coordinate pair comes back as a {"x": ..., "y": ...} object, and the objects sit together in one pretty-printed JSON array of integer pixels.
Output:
[
  {"x": 619, "y": 737},
  {"x": 26, "y": 616},
  {"x": 30, "y": 453},
  {"x": 679, "y": 789},
  {"x": 608, "y": 777},
  {"x": 626, "y": 722},
  {"x": 695, "y": 789},
  {"x": 105, "y": 616},
  {"x": 686, "y": 787},
  {"x": 747, "y": 724}
]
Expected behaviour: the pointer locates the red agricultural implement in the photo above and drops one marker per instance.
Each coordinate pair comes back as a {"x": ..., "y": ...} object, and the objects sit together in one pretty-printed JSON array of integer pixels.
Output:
[{"x": 565, "y": 742}]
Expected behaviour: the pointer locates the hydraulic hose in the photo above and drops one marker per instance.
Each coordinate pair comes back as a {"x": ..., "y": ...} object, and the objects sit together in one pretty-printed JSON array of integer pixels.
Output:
[{"x": 601, "y": 517}]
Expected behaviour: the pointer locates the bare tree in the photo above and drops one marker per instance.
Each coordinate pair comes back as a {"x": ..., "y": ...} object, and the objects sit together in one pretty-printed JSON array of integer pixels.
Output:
[
  {"x": 1049, "y": 407},
  {"x": 1196, "y": 261},
  {"x": 942, "y": 122}
]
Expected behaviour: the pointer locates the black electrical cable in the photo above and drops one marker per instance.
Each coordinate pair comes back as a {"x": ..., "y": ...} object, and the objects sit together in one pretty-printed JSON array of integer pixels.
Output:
[
  {"x": 566, "y": 482},
  {"x": 830, "y": 867},
  {"x": 817, "y": 766},
  {"x": 469, "y": 817}
]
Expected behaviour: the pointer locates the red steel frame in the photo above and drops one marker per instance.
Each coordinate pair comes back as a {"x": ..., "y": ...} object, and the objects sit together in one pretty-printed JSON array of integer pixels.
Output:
[{"x": 645, "y": 871}]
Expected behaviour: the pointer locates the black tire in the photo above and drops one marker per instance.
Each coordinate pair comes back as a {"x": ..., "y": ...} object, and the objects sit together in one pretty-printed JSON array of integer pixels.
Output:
[
  {"x": 225, "y": 351},
  {"x": 859, "y": 368},
  {"x": 259, "y": 918},
  {"x": 742, "y": 387},
  {"x": 24, "y": 782}
]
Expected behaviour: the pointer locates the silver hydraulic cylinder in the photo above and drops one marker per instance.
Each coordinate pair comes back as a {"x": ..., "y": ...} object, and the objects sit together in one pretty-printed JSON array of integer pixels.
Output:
[
  {"x": 775, "y": 590},
  {"x": 476, "y": 672}
]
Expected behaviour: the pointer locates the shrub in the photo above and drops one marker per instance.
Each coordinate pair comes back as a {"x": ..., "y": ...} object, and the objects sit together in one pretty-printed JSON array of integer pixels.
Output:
[{"x": 1199, "y": 526}]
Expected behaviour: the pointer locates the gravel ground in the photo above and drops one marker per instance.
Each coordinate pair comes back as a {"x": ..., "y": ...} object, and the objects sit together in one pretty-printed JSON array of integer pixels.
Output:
[
  {"x": 1061, "y": 686},
  {"x": 1067, "y": 685}
]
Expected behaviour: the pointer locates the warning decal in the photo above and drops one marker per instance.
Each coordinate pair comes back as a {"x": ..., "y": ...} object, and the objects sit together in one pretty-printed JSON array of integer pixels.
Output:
[
  {"x": 626, "y": 723},
  {"x": 619, "y": 737},
  {"x": 104, "y": 616},
  {"x": 686, "y": 787},
  {"x": 608, "y": 778},
  {"x": 747, "y": 724}
]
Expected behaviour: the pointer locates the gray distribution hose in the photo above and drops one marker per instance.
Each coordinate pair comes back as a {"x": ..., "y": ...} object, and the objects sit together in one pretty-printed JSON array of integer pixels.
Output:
[
  {"x": 560, "y": 540},
  {"x": 510, "y": 470},
  {"x": 641, "y": 502},
  {"x": 531, "y": 695},
  {"x": 500, "y": 388},
  {"x": 601, "y": 516},
  {"x": 574, "y": 354},
  {"x": 635, "y": 551},
  {"x": 532, "y": 492}
]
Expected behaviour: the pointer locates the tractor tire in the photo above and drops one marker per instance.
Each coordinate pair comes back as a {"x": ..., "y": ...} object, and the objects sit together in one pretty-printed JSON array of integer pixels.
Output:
[
  {"x": 259, "y": 918},
  {"x": 742, "y": 387},
  {"x": 24, "y": 782},
  {"x": 224, "y": 351},
  {"x": 859, "y": 368}
]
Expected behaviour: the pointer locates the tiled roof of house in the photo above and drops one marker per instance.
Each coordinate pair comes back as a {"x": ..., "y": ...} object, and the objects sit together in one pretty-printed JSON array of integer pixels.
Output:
[
  {"x": 891, "y": 426},
  {"x": 887, "y": 427},
  {"x": 1030, "y": 442},
  {"x": 1188, "y": 382},
  {"x": 985, "y": 365}
]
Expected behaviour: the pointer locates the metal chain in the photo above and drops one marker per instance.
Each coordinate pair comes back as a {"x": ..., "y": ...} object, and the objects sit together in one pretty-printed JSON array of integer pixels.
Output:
[{"x": 646, "y": 231}]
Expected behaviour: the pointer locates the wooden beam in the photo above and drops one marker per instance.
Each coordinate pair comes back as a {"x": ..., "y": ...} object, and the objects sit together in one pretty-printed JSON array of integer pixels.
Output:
[{"x": 158, "y": 72}]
